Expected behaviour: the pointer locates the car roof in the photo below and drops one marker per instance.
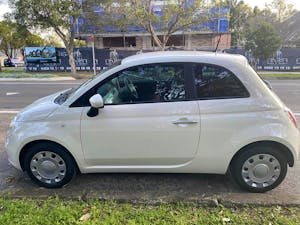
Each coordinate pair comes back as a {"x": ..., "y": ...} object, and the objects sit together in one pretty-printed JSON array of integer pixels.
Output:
[{"x": 185, "y": 56}]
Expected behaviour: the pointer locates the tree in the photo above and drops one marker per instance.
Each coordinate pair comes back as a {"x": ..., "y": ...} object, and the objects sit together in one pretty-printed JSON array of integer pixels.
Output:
[
  {"x": 53, "y": 40},
  {"x": 282, "y": 9},
  {"x": 240, "y": 12},
  {"x": 15, "y": 36},
  {"x": 176, "y": 15},
  {"x": 263, "y": 41},
  {"x": 59, "y": 15},
  {"x": 263, "y": 15},
  {"x": 100, "y": 13}
]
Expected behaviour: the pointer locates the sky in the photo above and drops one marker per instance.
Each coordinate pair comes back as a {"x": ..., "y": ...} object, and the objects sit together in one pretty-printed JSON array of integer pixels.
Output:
[
  {"x": 260, "y": 3},
  {"x": 4, "y": 8}
]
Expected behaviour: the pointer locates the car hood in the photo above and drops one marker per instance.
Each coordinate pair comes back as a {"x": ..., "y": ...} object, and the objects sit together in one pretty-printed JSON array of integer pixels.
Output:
[{"x": 40, "y": 109}]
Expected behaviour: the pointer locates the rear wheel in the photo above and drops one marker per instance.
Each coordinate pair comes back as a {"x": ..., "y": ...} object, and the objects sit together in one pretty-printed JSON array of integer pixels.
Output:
[
  {"x": 259, "y": 168},
  {"x": 49, "y": 165}
]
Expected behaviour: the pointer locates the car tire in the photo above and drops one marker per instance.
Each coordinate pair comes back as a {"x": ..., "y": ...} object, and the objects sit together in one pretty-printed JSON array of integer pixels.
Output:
[
  {"x": 259, "y": 168},
  {"x": 49, "y": 165}
]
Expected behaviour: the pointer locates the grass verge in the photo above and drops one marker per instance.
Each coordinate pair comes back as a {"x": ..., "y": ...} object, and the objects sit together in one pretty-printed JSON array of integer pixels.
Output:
[
  {"x": 22, "y": 74},
  {"x": 280, "y": 75},
  {"x": 57, "y": 211}
]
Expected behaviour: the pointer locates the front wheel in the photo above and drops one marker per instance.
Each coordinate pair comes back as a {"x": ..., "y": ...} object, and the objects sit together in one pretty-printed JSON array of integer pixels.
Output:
[
  {"x": 49, "y": 165},
  {"x": 259, "y": 168}
]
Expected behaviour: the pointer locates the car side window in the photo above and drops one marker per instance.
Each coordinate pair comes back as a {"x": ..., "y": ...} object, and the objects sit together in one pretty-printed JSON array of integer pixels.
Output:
[
  {"x": 145, "y": 83},
  {"x": 213, "y": 81}
]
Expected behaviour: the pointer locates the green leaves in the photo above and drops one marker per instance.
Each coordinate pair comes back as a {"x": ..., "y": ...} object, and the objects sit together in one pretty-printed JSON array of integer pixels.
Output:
[
  {"x": 175, "y": 16},
  {"x": 59, "y": 15},
  {"x": 263, "y": 41},
  {"x": 45, "y": 13},
  {"x": 16, "y": 36}
]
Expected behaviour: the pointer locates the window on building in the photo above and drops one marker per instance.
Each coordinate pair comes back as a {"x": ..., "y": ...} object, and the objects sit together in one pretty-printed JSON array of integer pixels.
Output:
[
  {"x": 175, "y": 40},
  {"x": 119, "y": 42},
  {"x": 130, "y": 41}
]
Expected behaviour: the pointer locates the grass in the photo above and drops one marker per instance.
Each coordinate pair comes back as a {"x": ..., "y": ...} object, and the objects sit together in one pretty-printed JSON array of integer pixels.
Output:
[
  {"x": 20, "y": 74},
  {"x": 23, "y": 74},
  {"x": 280, "y": 75},
  {"x": 57, "y": 211}
]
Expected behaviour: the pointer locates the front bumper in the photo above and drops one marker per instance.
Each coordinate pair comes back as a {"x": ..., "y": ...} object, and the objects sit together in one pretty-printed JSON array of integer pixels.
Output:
[{"x": 12, "y": 148}]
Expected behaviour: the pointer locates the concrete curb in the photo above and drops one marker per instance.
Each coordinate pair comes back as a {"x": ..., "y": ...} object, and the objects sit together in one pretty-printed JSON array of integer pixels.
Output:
[{"x": 39, "y": 79}]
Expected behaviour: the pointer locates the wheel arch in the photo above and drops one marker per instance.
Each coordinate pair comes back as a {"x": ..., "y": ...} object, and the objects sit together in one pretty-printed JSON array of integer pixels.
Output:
[
  {"x": 281, "y": 147},
  {"x": 26, "y": 148}
]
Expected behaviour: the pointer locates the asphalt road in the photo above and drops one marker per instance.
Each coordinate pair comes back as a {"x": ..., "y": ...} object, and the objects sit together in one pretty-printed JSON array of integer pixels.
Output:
[
  {"x": 17, "y": 95},
  {"x": 137, "y": 187}
]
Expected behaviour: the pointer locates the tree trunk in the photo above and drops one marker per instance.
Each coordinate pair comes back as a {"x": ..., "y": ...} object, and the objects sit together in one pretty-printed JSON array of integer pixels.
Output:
[
  {"x": 165, "y": 41},
  {"x": 154, "y": 36},
  {"x": 72, "y": 61},
  {"x": 157, "y": 41},
  {"x": 69, "y": 44}
]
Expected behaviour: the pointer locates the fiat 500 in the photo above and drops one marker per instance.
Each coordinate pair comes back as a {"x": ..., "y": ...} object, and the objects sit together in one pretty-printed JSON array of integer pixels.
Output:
[{"x": 163, "y": 112}]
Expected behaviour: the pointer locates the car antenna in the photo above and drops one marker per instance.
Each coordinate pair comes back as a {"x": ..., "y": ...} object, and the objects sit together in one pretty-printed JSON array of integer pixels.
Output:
[{"x": 218, "y": 43}]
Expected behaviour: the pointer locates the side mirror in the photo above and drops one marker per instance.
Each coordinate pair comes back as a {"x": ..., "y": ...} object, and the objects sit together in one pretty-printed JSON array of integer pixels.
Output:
[{"x": 97, "y": 103}]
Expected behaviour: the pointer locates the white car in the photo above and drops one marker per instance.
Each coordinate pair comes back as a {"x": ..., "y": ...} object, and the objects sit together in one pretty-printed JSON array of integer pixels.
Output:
[{"x": 162, "y": 112}]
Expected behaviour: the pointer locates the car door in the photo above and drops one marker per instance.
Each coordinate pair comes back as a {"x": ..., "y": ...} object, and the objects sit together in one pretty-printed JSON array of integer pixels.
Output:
[{"x": 147, "y": 119}]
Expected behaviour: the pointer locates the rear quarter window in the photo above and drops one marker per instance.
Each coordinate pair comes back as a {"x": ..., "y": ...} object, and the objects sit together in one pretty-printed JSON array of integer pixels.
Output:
[{"x": 213, "y": 82}]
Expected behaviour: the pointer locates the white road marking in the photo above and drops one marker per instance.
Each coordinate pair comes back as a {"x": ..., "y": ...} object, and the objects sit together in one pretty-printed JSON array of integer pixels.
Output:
[
  {"x": 9, "y": 112},
  {"x": 12, "y": 93}
]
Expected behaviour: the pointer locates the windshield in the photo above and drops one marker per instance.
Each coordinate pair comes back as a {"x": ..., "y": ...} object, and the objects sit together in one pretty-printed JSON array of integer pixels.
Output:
[{"x": 65, "y": 95}]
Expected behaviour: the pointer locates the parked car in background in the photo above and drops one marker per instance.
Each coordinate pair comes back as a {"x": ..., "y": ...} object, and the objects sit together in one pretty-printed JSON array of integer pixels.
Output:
[
  {"x": 13, "y": 62},
  {"x": 162, "y": 112}
]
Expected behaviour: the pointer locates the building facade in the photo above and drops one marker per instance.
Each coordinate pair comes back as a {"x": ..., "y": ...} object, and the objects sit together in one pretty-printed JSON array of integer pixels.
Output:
[{"x": 204, "y": 36}]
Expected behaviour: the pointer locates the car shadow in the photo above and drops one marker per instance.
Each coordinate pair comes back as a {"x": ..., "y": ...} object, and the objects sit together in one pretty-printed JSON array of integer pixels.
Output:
[
  {"x": 124, "y": 187},
  {"x": 148, "y": 188}
]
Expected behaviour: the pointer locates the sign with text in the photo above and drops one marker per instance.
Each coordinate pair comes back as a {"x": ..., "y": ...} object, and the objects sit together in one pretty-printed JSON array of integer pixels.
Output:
[{"x": 83, "y": 59}]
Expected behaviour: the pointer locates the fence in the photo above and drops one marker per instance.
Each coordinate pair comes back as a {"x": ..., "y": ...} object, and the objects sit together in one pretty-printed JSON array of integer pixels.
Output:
[{"x": 284, "y": 59}]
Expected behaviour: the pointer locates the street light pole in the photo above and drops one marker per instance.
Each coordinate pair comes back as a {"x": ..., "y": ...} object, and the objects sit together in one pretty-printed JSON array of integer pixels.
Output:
[{"x": 93, "y": 49}]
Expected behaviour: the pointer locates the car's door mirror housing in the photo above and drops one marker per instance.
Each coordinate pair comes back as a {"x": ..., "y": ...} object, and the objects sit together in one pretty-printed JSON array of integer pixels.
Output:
[{"x": 97, "y": 103}]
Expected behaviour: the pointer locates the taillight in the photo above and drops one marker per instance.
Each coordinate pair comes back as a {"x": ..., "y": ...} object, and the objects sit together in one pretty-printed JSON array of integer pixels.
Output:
[{"x": 292, "y": 117}]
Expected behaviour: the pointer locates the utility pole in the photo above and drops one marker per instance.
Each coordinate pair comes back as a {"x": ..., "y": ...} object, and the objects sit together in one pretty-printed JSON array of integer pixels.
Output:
[{"x": 92, "y": 39}]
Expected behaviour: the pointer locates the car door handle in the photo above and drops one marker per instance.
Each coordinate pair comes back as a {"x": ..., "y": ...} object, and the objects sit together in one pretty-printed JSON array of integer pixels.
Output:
[{"x": 184, "y": 121}]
